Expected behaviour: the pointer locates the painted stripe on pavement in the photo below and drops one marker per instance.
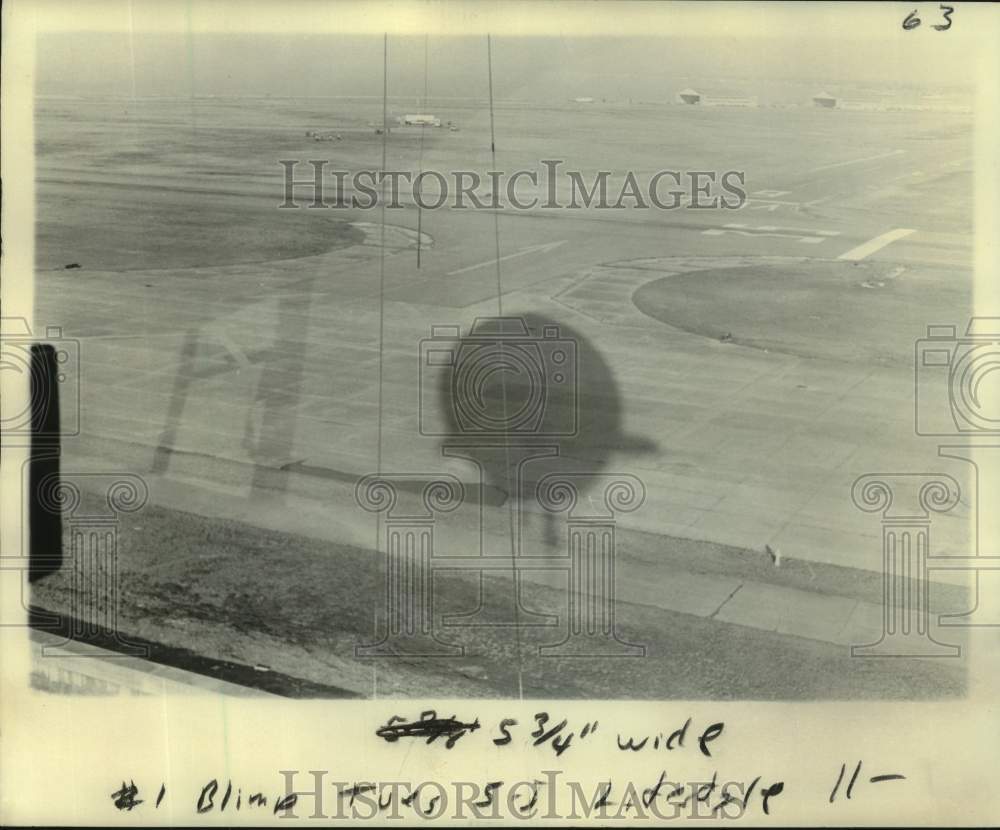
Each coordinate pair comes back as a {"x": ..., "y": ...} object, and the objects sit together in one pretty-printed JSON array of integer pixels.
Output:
[
  {"x": 857, "y": 161},
  {"x": 876, "y": 244}
]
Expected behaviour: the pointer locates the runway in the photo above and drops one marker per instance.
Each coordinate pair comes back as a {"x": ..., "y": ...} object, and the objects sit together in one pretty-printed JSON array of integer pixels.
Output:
[{"x": 762, "y": 360}]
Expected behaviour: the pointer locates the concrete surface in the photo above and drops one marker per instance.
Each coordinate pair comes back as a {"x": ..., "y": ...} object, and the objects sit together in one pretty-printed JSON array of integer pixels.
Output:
[{"x": 239, "y": 374}]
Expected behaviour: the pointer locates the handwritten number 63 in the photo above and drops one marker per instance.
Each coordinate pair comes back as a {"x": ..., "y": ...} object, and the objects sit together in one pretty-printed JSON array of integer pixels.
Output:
[{"x": 912, "y": 21}]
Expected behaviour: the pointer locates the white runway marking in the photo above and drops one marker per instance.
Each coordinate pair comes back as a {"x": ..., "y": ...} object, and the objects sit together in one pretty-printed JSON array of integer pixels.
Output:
[
  {"x": 857, "y": 161},
  {"x": 534, "y": 249},
  {"x": 802, "y": 234},
  {"x": 770, "y": 204},
  {"x": 796, "y": 230},
  {"x": 876, "y": 244}
]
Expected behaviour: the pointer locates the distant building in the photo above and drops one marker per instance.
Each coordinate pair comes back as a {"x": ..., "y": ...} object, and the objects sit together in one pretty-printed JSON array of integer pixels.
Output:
[
  {"x": 583, "y": 100},
  {"x": 689, "y": 96},
  {"x": 825, "y": 100},
  {"x": 421, "y": 120}
]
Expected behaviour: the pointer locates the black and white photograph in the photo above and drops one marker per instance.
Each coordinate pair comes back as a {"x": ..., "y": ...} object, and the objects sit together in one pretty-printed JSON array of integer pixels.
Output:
[
  {"x": 396, "y": 363},
  {"x": 508, "y": 366}
]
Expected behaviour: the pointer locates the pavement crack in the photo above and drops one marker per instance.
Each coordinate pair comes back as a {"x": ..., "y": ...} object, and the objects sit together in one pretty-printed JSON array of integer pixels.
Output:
[{"x": 723, "y": 603}]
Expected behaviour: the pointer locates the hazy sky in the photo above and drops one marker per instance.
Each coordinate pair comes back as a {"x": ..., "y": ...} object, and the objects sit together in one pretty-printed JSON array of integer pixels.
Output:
[{"x": 530, "y": 68}]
